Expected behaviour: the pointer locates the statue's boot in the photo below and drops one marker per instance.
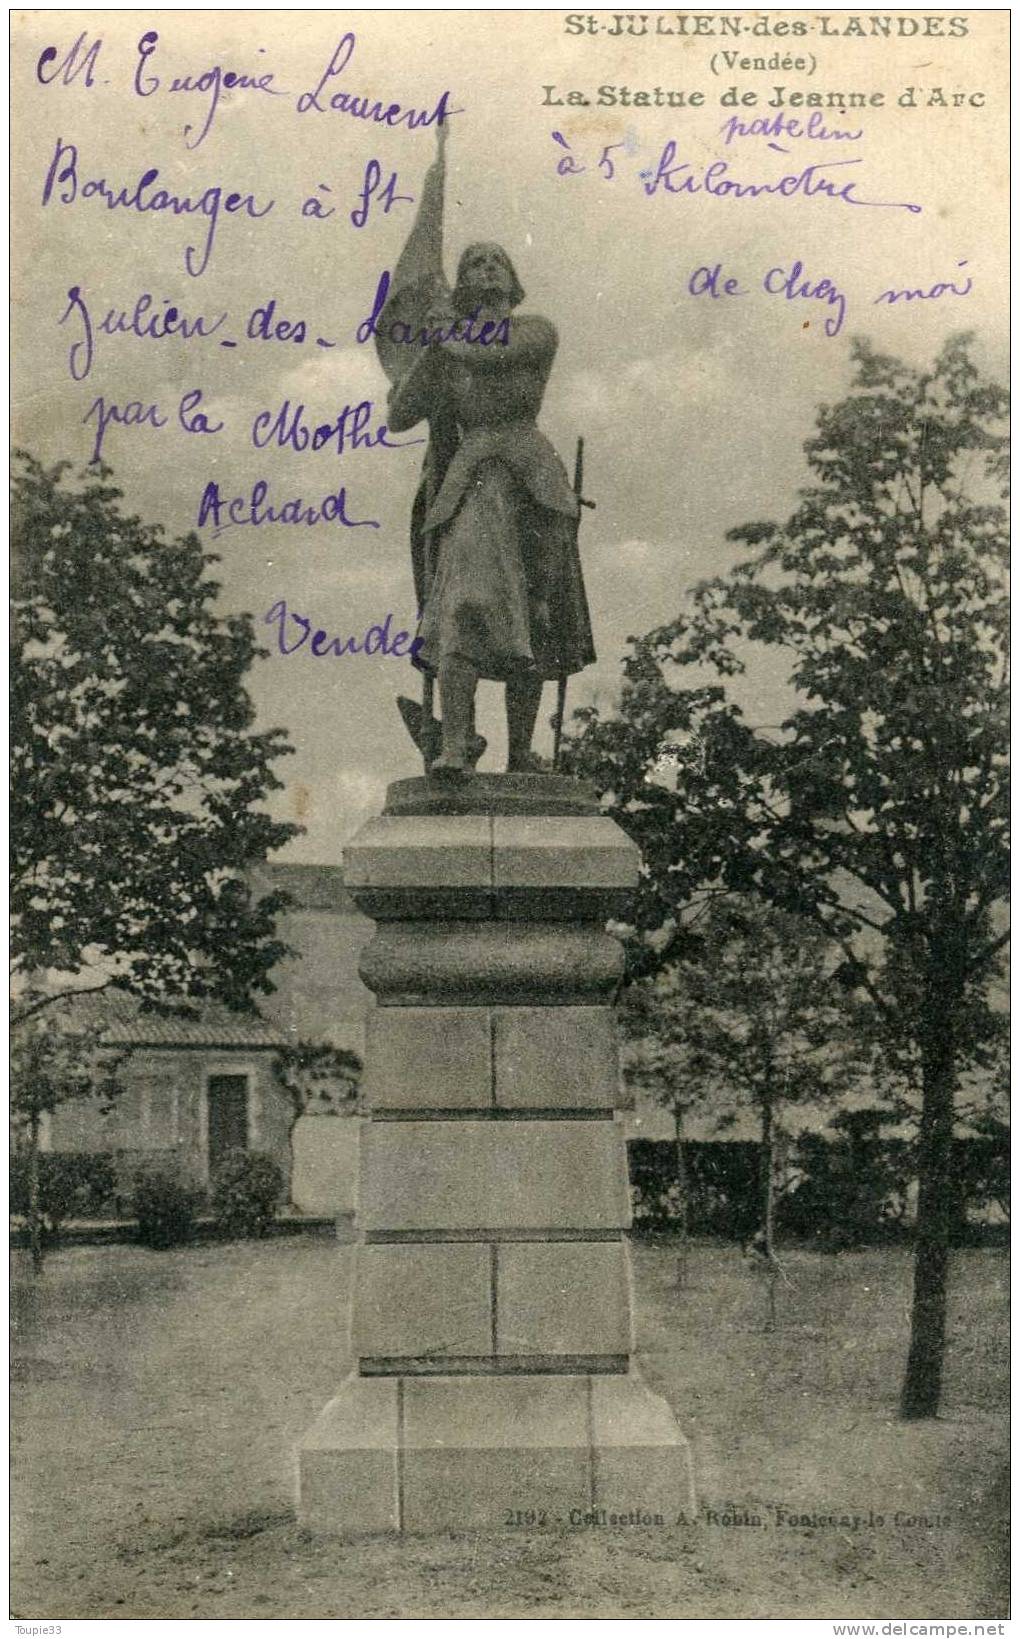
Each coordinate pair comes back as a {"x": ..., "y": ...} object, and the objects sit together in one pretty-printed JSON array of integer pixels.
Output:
[
  {"x": 523, "y": 697},
  {"x": 458, "y": 681},
  {"x": 427, "y": 732}
]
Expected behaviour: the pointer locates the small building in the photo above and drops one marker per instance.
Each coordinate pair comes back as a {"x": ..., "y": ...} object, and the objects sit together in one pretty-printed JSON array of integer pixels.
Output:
[
  {"x": 198, "y": 1084},
  {"x": 193, "y": 1088}
]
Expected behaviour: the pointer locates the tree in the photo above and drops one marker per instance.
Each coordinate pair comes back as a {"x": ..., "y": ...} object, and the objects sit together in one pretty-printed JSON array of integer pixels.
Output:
[
  {"x": 52, "y": 1064},
  {"x": 754, "y": 1017},
  {"x": 137, "y": 774},
  {"x": 654, "y": 1059},
  {"x": 879, "y": 808}
]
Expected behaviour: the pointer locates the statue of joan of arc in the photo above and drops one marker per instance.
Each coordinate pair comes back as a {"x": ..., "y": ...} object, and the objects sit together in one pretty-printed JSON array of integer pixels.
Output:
[{"x": 494, "y": 524}]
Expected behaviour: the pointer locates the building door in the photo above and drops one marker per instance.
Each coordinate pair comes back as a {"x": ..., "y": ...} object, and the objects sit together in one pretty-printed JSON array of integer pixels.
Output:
[{"x": 227, "y": 1099}]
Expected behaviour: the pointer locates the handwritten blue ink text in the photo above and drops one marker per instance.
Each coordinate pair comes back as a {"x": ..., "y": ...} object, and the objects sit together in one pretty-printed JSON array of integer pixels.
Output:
[
  {"x": 143, "y": 196},
  {"x": 147, "y": 325},
  {"x": 254, "y": 511},
  {"x": 209, "y": 82},
  {"x": 375, "y": 640}
]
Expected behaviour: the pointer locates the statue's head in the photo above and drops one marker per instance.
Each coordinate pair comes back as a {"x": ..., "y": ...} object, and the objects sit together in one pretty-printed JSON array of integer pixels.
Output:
[{"x": 485, "y": 270}]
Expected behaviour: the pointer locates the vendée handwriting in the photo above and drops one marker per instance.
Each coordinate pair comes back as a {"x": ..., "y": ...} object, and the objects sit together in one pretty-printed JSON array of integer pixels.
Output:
[
  {"x": 63, "y": 174},
  {"x": 253, "y": 510},
  {"x": 375, "y": 640}
]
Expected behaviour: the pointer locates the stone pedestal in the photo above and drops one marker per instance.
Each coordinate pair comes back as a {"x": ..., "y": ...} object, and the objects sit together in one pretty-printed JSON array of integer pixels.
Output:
[{"x": 491, "y": 1315}]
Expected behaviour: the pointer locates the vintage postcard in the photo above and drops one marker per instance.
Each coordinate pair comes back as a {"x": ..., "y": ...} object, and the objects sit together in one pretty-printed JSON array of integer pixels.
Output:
[{"x": 508, "y": 1111}]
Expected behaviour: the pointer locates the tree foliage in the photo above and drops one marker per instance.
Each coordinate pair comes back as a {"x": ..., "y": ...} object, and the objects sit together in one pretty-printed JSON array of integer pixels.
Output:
[
  {"x": 750, "y": 1018},
  {"x": 137, "y": 774},
  {"x": 879, "y": 809},
  {"x": 53, "y": 1063}
]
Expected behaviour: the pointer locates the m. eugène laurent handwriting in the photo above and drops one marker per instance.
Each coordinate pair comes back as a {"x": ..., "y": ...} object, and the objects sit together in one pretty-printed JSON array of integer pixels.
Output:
[{"x": 791, "y": 149}]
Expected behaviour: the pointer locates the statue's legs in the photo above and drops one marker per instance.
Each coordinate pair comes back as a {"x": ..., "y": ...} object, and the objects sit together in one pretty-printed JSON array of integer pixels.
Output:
[
  {"x": 523, "y": 696},
  {"x": 458, "y": 680}
]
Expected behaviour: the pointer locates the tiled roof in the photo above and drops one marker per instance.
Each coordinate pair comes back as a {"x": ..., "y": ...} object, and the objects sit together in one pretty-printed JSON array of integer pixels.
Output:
[{"x": 208, "y": 1024}]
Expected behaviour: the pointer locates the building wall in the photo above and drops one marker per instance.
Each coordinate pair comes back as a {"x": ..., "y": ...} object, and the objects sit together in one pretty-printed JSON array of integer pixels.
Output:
[
  {"x": 163, "y": 1113},
  {"x": 325, "y": 1179},
  {"x": 319, "y": 996}
]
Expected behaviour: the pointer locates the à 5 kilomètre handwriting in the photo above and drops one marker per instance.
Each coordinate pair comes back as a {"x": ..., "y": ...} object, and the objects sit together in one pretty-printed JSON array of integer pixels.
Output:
[{"x": 680, "y": 178}]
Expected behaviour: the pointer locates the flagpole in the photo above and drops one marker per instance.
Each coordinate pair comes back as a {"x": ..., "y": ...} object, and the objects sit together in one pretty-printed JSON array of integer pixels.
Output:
[{"x": 428, "y": 684}]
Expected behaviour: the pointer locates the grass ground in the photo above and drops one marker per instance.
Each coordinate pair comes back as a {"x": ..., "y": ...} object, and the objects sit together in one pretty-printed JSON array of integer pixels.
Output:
[{"x": 158, "y": 1396}]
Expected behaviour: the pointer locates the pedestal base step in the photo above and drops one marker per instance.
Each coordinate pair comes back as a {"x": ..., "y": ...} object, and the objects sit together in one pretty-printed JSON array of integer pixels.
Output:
[{"x": 451, "y": 1453}]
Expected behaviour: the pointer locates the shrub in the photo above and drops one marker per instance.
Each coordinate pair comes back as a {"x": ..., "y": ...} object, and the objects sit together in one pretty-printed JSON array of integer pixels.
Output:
[
  {"x": 70, "y": 1186},
  {"x": 846, "y": 1192},
  {"x": 164, "y": 1207},
  {"x": 245, "y": 1190}
]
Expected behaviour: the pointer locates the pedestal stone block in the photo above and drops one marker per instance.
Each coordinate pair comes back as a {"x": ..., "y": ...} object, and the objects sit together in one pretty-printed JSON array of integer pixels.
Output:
[
  {"x": 460, "y": 963},
  {"x": 480, "y": 1175},
  {"x": 566, "y": 1298},
  {"x": 544, "y": 852},
  {"x": 493, "y": 1446},
  {"x": 420, "y": 1058},
  {"x": 441, "y": 1454},
  {"x": 452, "y": 851},
  {"x": 494, "y": 1382},
  {"x": 348, "y": 1467},
  {"x": 415, "y": 1301},
  {"x": 555, "y": 1058},
  {"x": 641, "y": 1460}
]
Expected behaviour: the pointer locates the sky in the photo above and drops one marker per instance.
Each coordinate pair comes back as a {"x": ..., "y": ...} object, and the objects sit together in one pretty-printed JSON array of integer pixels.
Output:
[{"x": 694, "y": 409}]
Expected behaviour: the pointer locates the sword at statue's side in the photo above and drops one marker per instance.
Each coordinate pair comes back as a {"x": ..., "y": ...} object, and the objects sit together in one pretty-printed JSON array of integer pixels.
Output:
[{"x": 561, "y": 682}]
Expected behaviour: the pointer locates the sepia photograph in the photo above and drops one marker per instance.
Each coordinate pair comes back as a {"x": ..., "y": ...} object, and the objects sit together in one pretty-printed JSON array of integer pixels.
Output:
[{"x": 510, "y": 867}]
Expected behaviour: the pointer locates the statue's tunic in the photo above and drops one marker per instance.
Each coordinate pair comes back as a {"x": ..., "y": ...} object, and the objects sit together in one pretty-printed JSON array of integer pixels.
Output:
[{"x": 505, "y": 592}]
